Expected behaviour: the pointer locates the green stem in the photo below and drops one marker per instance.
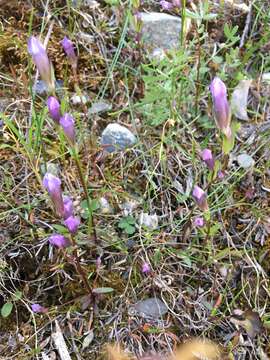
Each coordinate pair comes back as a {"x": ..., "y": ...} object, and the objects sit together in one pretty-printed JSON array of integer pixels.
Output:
[
  {"x": 78, "y": 266},
  {"x": 183, "y": 17},
  {"x": 91, "y": 227}
]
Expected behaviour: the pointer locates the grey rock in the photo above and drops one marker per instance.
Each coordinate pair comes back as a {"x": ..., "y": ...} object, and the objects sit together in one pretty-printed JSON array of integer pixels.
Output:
[
  {"x": 160, "y": 31},
  {"x": 245, "y": 161},
  {"x": 150, "y": 221},
  {"x": 105, "y": 206},
  {"x": 99, "y": 107},
  {"x": 129, "y": 206},
  {"x": 85, "y": 3},
  {"x": 41, "y": 89},
  {"x": 117, "y": 137},
  {"x": 149, "y": 308}
]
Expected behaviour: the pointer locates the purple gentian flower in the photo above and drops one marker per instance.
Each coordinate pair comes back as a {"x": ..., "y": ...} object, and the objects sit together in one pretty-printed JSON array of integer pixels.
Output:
[
  {"x": 208, "y": 158},
  {"x": 198, "y": 221},
  {"x": 166, "y": 5},
  {"x": 72, "y": 223},
  {"x": 54, "y": 108},
  {"x": 53, "y": 185},
  {"x": 221, "y": 106},
  {"x": 68, "y": 207},
  {"x": 37, "y": 308},
  {"x": 69, "y": 50},
  {"x": 59, "y": 241},
  {"x": 200, "y": 198},
  {"x": 146, "y": 269},
  {"x": 68, "y": 125},
  {"x": 42, "y": 62}
]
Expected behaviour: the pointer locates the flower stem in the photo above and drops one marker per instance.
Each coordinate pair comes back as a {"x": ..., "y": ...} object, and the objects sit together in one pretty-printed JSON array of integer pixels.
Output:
[
  {"x": 91, "y": 225},
  {"x": 79, "y": 268}
]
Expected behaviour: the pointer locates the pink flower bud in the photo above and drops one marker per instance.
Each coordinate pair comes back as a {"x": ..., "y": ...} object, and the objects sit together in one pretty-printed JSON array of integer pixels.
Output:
[
  {"x": 208, "y": 158},
  {"x": 69, "y": 50},
  {"x": 166, "y": 5},
  {"x": 42, "y": 62},
  {"x": 198, "y": 221},
  {"x": 37, "y": 308},
  {"x": 220, "y": 174},
  {"x": 221, "y": 106},
  {"x": 68, "y": 207},
  {"x": 53, "y": 185},
  {"x": 200, "y": 198},
  {"x": 146, "y": 269},
  {"x": 54, "y": 108},
  {"x": 59, "y": 241},
  {"x": 177, "y": 3},
  {"x": 68, "y": 125},
  {"x": 72, "y": 223}
]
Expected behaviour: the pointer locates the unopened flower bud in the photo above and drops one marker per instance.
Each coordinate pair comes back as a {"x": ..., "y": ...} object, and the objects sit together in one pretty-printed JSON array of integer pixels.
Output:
[
  {"x": 69, "y": 50},
  {"x": 53, "y": 185},
  {"x": 54, "y": 108},
  {"x": 68, "y": 207},
  {"x": 68, "y": 125},
  {"x": 59, "y": 241},
  {"x": 42, "y": 62},
  {"x": 72, "y": 223},
  {"x": 146, "y": 269},
  {"x": 200, "y": 198},
  {"x": 166, "y": 5},
  {"x": 208, "y": 158},
  {"x": 198, "y": 221},
  {"x": 221, "y": 106},
  {"x": 37, "y": 308}
]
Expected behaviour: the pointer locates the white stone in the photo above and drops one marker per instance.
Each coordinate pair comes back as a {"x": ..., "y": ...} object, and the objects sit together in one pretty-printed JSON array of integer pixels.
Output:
[
  {"x": 150, "y": 221},
  {"x": 117, "y": 137},
  {"x": 245, "y": 161}
]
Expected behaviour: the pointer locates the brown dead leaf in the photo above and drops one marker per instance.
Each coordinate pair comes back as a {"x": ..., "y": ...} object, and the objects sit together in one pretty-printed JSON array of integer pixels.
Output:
[{"x": 250, "y": 321}]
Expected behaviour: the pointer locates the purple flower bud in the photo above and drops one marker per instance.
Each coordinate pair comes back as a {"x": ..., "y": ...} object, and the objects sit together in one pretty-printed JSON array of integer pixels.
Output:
[
  {"x": 36, "y": 308},
  {"x": 67, "y": 123},
  {"x": 69, "y": 50},
  {"x": 98, "y": 262},
  {"x": 42, "y": 62},
  {"x": 59, "y": 241},
  {"x": 53, "y": 185},
  {"x": 200, "y": 198},
  {"x": 177, "y": 3},
  {"x": 146, "y": 269},
  {"x": 54, "y": 108},
  {"x": 220, "y": 174},
  {"x": 72, "y": 223},
  {"x": 208, "y": 158},
  {"x": 198, "y": 221},
  {"x": 221, "y": 106},
  {"x": 166, "y": 5},
  {"x": 68, "y": 207}
]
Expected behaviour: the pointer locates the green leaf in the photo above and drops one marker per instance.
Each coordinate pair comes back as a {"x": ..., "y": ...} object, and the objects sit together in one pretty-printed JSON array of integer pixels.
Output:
[
  {"x": 59, "y": 228},
  {"x": 127, "y": 225},
  {"x": 94, "y": 205},
  {"x": 228, "y": 143},
  {"x": 6, "y": 309},
  {"x": 103, "y": 290},
  {"x": 214, "y": 229},
  {"x": 17, "y": 295},
  {"x": 112, "y": 2},
  {"x": 130, "y": 230}
]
